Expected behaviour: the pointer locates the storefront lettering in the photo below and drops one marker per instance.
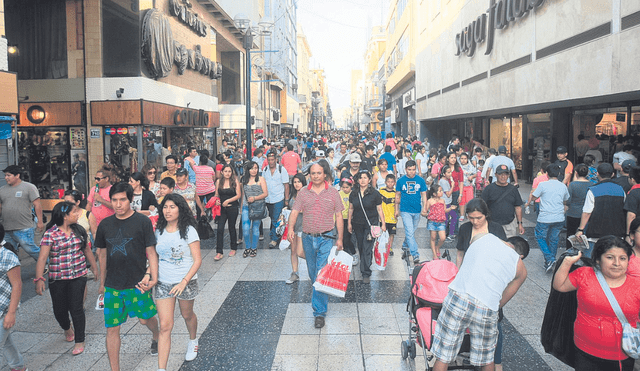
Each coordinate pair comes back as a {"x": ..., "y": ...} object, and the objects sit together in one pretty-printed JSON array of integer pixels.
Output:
[
  {"x": 190, "y": 118},
  {"x": 497, "y": 17},
  {"x": 189, "y": 18}
]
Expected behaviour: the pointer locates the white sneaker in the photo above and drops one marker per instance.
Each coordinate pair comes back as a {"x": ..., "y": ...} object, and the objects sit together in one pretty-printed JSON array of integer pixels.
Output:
[
  {"x": 355, "y": 260},
  {"x": 192, "y": 350},
  {"x": 294, "y": 277}
]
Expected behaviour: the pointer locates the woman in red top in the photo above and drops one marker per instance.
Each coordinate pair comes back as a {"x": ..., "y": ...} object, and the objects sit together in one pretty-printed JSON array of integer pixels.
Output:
[
  {"x": 597, "y": 331},
  {"x": 457, "y": 174}
]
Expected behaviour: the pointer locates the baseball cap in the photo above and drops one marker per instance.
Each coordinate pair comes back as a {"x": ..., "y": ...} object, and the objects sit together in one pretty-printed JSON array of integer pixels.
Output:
[
  {"x": 501, "y": 169},
  {"x": 182, "y": 171},
  {"x": 502, "y": 149},
  {"x": 562, "y": 149},
  {"x": 355, "y": 158},
  {"x": 319, "y": 153},
  {"x": 627, "y": 164},
  {"x": 13, "y": 170}
]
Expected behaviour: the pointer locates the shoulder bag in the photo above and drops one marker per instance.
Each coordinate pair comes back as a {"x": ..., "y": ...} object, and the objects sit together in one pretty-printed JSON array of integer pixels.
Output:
[
  {"x": 630, "y": 335},
  {"x": 257, "y": 209},
  {"x": 376, "y": 230}
]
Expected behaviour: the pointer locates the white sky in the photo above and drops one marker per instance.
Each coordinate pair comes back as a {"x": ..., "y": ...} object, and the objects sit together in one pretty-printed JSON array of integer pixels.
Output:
[{"x": 337, "y": 32}]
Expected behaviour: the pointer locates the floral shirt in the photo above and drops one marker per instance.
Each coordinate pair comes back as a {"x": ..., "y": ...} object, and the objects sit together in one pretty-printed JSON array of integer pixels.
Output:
[{"x": 66, "y": 258}]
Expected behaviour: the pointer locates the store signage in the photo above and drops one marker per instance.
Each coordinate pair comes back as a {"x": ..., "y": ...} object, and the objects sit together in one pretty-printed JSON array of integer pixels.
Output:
[
  {"x": 191, "y": 118},
  {"x": 497, "y": 17},
  {"x": 94, "y": 133},
  {"x": 189, "y": 18}
]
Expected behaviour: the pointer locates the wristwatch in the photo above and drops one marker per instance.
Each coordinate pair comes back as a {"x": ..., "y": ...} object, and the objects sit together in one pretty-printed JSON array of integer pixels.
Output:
[{"x": 579, "y": 230}]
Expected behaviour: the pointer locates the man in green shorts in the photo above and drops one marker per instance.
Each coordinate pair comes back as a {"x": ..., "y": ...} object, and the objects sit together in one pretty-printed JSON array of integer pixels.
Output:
[{"x": 125, "y": 241}]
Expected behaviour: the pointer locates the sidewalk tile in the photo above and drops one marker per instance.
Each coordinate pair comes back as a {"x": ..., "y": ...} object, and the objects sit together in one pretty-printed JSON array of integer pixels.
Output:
[
  {"x": 340, "y": 344},
  {"x": 386, "y": 362},
  {"x": 340, "y": 325},
  {"x": 294, "y": 362},
  {"x": 340, "y": 362},
  {"x": 298, "y": 345},
  {"x": 381, "y": 344}
]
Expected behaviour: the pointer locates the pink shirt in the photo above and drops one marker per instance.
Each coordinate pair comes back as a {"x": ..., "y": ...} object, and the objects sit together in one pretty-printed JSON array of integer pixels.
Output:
[
  {"x": 290, "y": 161},
  {"x": 390, "y": 142},
  {"x": 204, "y": 180},
  {"x": 99, "y": 210},
  {"x": 539, "y": 179}
]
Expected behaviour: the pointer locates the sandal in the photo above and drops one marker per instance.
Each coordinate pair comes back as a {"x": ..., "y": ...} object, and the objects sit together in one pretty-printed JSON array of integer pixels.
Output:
[
  {"x": 253, "y": 253},
  {"x": 71, "y": 337},
  {"x": 232, "y": 253},
  {"x": 77, "y": 351},
  {"x": 218, "y": 257},
  {"x": 246, "y": 253}
]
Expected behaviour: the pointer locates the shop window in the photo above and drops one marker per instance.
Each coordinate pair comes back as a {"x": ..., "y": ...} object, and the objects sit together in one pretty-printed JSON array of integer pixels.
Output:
[
  {"x": 121, "y": 151},
  {"x": 230, "y": 90},
  {"x": 45, "y": 156},
  {"x": 507, "y": 132},
  {"x": 539, "y": 135},
  {"x": 39, "y": 28},
  {"x": 120, "y": 38},
  {"x": 154, "y": 142}
]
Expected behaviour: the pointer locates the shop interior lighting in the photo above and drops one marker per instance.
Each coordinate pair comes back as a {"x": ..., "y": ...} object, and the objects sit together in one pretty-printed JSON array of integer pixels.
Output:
[{"x": 13, "y": 50}]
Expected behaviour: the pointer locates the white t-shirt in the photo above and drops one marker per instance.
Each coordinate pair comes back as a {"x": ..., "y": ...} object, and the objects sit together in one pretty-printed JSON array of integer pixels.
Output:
[
  {"x": 424, "y": 162},
  {"x": 553, "y": 195},
  {"x": 175, "y": 255}
]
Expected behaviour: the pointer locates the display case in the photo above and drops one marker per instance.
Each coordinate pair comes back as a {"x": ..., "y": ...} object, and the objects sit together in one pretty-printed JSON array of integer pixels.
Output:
[{"x": 121, "y": 151}]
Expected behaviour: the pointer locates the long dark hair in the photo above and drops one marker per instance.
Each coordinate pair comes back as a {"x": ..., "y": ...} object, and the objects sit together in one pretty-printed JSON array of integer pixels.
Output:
[
  {"x": 185, "y": 217},
  {"x": 456, "y": 166},
  {"x": 232, "y": 181},
  {"x": 144, "y": 182},
  {"x": 246, "y": 176},
  {"x": 58, "y": 213},
  {"x": 292, "y": 190},
  {"x": 369, "y": 187}
]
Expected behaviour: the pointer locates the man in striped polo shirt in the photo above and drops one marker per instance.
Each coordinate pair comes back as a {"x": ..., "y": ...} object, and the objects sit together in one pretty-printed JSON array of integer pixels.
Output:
[{"x": 322, "y": 228}]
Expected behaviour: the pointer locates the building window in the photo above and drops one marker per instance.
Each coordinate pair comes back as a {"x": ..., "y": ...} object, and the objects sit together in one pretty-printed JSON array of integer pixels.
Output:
[
  {"x": 402, "y": 4},
  {"x": 120, "y": 40},
  {"x": 392, "y": 24},
  {"x": 403, "y": 47}
]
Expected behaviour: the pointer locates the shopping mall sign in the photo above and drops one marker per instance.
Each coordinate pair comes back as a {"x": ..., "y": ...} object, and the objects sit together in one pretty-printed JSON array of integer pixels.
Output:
[{"x": 497, "y": 17}]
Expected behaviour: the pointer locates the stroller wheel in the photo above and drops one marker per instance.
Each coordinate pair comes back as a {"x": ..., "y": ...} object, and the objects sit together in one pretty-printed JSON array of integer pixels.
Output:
[
  {"x": 412, "y": 350},
  {"x": 404, "y": 349}
]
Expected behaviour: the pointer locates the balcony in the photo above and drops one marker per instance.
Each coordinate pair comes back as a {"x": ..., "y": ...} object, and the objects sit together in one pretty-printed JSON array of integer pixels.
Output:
[{"x": 404, "y": 71}]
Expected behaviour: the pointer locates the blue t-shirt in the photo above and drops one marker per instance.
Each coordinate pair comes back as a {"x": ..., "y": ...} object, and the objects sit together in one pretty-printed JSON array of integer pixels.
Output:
[
  {"x": 391, "y": 160},
  {"x": 552, "y": 194},
  {"x": 410, "y": 193}
]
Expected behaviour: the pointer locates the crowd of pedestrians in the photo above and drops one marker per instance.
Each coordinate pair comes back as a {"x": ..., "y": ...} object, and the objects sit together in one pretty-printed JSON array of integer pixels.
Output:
[{"x": 330, "y": 190}]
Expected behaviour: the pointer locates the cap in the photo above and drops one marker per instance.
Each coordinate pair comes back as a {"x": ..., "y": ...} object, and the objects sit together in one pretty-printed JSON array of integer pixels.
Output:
[
  {"x": 355, "y": 158},
  {"x": 347, "y": 180},
  {"x": 182, "y": 171},
  {"x": 13, "y": 170},
  {"x": 562, "y": 149},
  {"x": 502, "y": 149},
  {"x": 627, "y": 164},
  {"x": 501, "y": 169},
  {"x": 319, "y": 153}
]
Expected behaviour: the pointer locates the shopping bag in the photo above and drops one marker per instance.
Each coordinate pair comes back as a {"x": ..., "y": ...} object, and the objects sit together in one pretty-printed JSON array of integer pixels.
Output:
[
  {"x": 556, "y": 333},
  {"x": 381, "y": 251},
  {"x": 284, "y": 242},
  {"x": 333, "y": 279}
]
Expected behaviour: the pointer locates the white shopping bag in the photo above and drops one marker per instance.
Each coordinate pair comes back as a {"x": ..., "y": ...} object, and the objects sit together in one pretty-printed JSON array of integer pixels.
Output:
[
  {"x": 381, "y": 252},
  {"x": 333, "y": 279},
  {"x": 284, "y": 243}
]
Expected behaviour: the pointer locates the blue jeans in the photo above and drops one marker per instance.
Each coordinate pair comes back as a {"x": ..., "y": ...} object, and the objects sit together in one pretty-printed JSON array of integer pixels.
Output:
[
  {"x": 9, "y": 348},
  {"x": 23, "y": 238},
  {"x": 547, "y": 235},
  {"x": 274, "y": 214},
  {"x": 250, "y": 229},
  {"x": 587, "y": 253},
  {"x": 410, "y": 222},
  {"x": 316, "y": 250}
]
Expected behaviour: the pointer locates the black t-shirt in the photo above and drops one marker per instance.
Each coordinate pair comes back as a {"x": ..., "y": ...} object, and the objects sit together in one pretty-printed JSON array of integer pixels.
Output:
[
  {"x": 632, "y": 202},
  {"x": 368, "y": 163},
  {"x": 563, "y": 165},
  {"x": 126, "y": 242},
  {"x": 504, "y": 211},
  {"x": 464, "y": 235},
  {"x": 346, "y": 173},
  {"x": 623, "y": 181},
  {"x": 370, "y": 201}
]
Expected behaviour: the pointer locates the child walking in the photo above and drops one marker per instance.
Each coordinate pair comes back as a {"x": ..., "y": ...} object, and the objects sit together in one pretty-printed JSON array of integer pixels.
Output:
[
  {"x": 388, "y": 194},
  {"x": 436, "y": 218},
  {"x": 446, "y": 182}
]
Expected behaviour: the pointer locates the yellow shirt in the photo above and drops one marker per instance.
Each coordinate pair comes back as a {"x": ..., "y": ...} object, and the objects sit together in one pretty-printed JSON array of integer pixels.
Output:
[
  {"x": 388, "y": 205},
  {"x": 345, "y": 203},
  {"x": 167, "y": 174}
]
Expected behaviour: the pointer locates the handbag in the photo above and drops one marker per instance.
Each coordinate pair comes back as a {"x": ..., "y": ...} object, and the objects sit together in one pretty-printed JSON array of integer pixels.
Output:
[
  {"x": 257, "y": 209},
  {"x": 376, "y": 230},
  {"x": 630, "y": 335}
]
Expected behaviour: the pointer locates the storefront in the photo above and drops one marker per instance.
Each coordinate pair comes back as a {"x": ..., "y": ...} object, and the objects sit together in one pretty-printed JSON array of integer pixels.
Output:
[
  {"x": 139, "y": 132},
  {"x": 52, "y": 149},
  {"x": 8, "y": 118}
]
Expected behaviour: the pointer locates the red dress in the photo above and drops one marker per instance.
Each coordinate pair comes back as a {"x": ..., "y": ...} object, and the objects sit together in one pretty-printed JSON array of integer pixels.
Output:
[{"x": 436, "y": 213}]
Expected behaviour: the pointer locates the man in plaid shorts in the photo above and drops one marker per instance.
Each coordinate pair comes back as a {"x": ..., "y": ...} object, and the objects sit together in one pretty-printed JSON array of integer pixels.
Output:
[{"x": 490, "y": 275}]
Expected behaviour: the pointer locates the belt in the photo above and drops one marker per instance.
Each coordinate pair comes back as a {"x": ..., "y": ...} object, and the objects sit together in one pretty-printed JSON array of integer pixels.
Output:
[{"x": 322, "y": 234}]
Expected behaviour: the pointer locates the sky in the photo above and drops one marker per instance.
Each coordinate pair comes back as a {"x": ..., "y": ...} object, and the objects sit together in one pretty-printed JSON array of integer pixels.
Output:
[{"x": 337, "y": 32}]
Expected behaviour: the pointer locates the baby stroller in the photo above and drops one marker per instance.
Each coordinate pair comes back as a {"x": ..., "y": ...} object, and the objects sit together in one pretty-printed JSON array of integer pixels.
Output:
[{"x": 429, "y": 286}]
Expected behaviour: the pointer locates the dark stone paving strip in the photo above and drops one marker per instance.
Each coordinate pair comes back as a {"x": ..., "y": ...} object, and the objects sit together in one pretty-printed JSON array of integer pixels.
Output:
[{"x": 517, "y": 353}]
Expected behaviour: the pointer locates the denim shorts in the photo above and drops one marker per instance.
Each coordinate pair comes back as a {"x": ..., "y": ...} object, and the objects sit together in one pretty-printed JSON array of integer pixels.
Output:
[
  {"x": 162, "y": 290},
  {"x": 436, "y": 226}
]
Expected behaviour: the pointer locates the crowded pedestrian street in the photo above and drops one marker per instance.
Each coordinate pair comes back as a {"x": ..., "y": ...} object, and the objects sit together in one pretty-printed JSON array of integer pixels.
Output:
[{"x": 251, "y": 320}]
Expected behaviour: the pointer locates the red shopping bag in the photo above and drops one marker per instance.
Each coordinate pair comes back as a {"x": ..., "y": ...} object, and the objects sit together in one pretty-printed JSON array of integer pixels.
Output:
[
  {"x": 381, "y": 251},
  {"x": 333, "y": 279}
]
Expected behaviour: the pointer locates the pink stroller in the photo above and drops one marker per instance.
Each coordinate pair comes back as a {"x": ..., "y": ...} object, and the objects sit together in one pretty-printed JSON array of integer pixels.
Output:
[{"x": 429, "y": 286}]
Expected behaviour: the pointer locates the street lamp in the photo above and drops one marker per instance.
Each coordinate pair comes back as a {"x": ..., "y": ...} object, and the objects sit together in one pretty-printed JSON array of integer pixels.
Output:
[
  {"x": 387, "y": 126},
  {"x": 315, "y": 102},
  {"x": 243, "y": 23}
]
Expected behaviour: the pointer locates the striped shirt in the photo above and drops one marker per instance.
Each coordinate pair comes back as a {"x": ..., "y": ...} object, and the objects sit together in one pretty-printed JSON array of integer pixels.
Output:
[
  {"x": 204, "y": 180},
  {"x": 66, "y": 258},
  {"x": 319, "y": 209}
]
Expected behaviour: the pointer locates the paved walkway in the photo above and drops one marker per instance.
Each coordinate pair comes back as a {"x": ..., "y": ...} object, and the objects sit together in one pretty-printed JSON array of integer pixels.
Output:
[{"x": 249, "y": 319}]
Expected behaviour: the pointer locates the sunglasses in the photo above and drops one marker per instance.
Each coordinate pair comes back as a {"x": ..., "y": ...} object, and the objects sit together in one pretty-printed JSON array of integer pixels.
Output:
[
  {"x": 99, "y": 179},
  {"x": 151, "y": 173}
]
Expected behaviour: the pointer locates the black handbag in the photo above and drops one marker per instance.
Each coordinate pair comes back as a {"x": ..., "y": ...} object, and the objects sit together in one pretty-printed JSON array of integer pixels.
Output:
[
  {"x": 204, "y": 228},
  {"x": 257, "y": 209}
]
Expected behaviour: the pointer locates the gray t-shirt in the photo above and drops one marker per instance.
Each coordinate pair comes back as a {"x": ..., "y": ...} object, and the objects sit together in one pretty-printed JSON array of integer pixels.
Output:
[{"x": 17, "y": 202}]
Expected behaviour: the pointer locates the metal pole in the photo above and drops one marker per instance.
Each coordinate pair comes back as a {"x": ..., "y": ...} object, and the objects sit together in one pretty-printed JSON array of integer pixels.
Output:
[
  {"x": 387, "y": 126},
  {"x": 247, "y": 45}
]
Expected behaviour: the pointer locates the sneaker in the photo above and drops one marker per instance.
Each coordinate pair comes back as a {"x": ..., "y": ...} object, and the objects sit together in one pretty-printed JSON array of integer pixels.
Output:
[
  {"x": 294, "y": 277},
  {"x": 416, "y": 259},
  {"x": 548, "y": 266},
  {"x": 450, "y": 238},
  {"x": 319, "y": 322},
  {"x": 366, "y": 279},
  {"x": 390, "y": 252},
  {"x": 355, "y": 260},
  {"x": 273, "y": 244},
  {"x": 192, "y": 350},
  {"x": 261, "y": 237},
  {"x": 154, "y": 347}
]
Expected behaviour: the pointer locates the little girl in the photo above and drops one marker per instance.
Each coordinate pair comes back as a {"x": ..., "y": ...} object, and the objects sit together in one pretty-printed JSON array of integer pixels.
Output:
[
  {"x": 446, "y": 182},
  {"x": 479, "y": 179},
  {"x": 436, "y": 218}
]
